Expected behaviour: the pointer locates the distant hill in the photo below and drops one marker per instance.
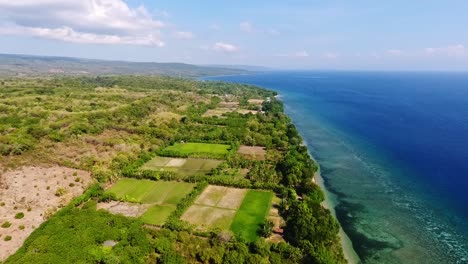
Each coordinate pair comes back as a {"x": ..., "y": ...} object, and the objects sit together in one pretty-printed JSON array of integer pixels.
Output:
[
  {"x": 240, "y": 67},
  {"x": 28, "y": 65}
]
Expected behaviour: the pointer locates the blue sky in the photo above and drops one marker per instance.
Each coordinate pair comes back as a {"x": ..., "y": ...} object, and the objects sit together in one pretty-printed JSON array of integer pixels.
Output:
[{"x": 295, "y": 34}]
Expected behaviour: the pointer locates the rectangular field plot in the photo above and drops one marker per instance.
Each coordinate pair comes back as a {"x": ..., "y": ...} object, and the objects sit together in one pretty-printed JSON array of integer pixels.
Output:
[
  {"x": 206, "y": 217},
  {"x": 158, "y": 197},
  {"x": 251, "y": 214},
  {"x": 239, "y": 210},
  {"x": 185, "y": 167},
  {"x": 198, "y": 148},
  {"x": 222, "y": 197},
  {"x": 151, "y": 192},
  {"x": 157, "y": 214}
]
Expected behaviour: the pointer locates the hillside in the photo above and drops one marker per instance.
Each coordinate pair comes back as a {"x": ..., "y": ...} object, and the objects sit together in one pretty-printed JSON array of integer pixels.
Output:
[{"x": 27, "y": 65}]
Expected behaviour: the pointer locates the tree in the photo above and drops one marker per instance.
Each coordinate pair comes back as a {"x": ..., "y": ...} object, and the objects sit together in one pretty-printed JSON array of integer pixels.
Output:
[{"x": 266, "y": 229}]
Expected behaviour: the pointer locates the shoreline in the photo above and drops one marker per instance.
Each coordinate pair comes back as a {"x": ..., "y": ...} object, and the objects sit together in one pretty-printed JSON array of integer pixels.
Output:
[{"x": 346, "y": 243}]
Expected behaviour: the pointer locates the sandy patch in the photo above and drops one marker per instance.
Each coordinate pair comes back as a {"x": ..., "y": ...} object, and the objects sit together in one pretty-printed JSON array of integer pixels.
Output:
[
  {"x": 37, "y": 192},
  {"x": 126, "y": 209},
  {"x": 176, "y": 163},
  {"x": 256, "y": 153}
]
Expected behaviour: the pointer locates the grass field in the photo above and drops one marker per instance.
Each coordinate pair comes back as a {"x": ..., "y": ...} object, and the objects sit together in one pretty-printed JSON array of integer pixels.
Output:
[
  {"x": 163, "y": 195},
  {"x": 194, "y": 148},
  {"x": 251, "y": 214},
  {"x": 149, "y": 192},
  {"x": 157, "y": 214},
  {"x": 185, "y": 167}
]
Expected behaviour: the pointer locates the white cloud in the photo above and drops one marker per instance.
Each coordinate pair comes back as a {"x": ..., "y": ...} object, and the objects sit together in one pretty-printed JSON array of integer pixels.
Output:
[
  {"x": 273, "y": 32},
  {"x": 298, "y": 54},
  {"x": 184, "y": 35},
  {"x": 69, "y": 35},
  {"x": 85, "y": 21},
  {"x": 457, "y": 50},
  {"x": 246, "y": 27},
  {"x": 225, "y": 47},
  {"x": 301, "y": 54},
  {"x": 331, "y": 55},
  {"x": 215, "y": 27},
  {"x": 394, "y": 52}
]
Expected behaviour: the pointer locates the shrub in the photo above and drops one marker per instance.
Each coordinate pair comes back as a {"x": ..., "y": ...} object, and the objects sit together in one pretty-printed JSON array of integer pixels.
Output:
[
  {"x": 6, "y": 224},
  {"x": 7, "y": 238},
  {"x": 21, "y": 227},
  {"x": 19, "y": 215},
  {"x": 60, "y": 192}
]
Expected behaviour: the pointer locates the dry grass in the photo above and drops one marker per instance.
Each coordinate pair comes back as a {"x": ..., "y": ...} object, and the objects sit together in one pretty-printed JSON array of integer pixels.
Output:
[
  {"x": 255, "y": 101},
  {"x": 222, "y": 197},
  {"x": 254, "y": 153},
  {"x": 37, "y": 192},
  {"x": 245, "y": 111},
  {"x": 205, "y": 217},
  {"x": 231, "y": 105},
  {"x": 217, "y": 112}
]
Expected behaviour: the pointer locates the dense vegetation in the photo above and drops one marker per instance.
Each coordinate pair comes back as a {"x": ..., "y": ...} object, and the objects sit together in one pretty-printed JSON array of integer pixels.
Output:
[{"x": 111, "y": 126}]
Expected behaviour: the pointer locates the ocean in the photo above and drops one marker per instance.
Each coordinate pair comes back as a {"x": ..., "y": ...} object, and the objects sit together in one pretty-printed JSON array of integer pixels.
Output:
[{"x": 393, "y": 153}]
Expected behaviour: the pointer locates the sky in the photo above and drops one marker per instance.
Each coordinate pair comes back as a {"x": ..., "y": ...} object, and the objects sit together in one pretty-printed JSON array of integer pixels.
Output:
[{"x": 292, "y": 34}]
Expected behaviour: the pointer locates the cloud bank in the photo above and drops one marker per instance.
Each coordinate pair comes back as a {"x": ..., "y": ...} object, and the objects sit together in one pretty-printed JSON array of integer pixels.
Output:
[{"x": 84, "y": 21}]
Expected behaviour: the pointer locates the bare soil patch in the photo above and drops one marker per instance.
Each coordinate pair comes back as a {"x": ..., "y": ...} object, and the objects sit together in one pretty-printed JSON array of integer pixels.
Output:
[
  {"x": 123, "y": 208},
  {"x": 255, "y": 101},
  {"x": 255, "y": 153},
  {"x": 37, "y": 192},
  {"x": 278, "y": 221},
  {"x": 232, "y": 105}
]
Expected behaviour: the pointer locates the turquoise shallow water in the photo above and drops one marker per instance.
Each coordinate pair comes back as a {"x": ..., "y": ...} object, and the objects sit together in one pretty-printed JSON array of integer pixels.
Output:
[{"x": 393, "y": 150}]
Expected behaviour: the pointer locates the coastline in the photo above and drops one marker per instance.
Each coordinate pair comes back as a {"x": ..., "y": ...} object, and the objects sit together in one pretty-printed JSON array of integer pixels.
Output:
[{"x": 346, "y": 243}]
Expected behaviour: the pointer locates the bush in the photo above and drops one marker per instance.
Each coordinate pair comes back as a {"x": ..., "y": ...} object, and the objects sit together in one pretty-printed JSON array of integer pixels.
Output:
[
  {"x": 60, "y": 192},
  {"x": 19, "y": 215},
  {"x": 7, "y": 238},
  {"x": 6, "y": 224}
]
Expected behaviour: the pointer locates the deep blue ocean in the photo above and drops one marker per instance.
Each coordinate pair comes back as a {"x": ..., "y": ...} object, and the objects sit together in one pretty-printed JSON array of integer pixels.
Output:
[{"x": 393, "y": 152}]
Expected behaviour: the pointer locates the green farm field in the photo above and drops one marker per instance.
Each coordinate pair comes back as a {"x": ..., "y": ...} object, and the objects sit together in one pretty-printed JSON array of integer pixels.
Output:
[
  {"x": 157, "y": 214},
  {"x": 151, "y": 192},
  {"x": 163, "y": 195},
  {"x": 251, "y": 214},
  {"x": 197, "y": 148}
]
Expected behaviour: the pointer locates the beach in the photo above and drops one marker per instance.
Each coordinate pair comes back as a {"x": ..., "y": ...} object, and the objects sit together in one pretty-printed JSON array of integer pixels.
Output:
[{"x": 348, "y": 250}]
